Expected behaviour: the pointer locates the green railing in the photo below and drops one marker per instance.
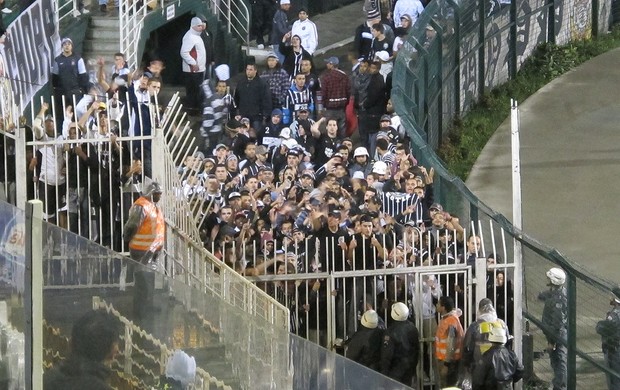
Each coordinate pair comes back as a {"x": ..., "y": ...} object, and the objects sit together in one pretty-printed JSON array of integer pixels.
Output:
[{"x": 437, "y": 77}]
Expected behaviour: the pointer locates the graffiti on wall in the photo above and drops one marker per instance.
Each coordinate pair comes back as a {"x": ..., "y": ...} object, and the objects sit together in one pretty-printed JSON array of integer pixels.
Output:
[{"x": 581, "y": 20}]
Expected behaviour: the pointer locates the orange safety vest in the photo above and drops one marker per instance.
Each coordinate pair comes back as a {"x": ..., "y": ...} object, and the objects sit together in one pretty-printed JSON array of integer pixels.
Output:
[
  {"x": 151, "y": 234},
  {"x": 442, "y": 336}
]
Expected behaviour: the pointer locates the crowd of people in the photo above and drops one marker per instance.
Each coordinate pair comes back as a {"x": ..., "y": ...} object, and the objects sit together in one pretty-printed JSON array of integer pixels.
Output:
[{"x": 297, "y": 172}]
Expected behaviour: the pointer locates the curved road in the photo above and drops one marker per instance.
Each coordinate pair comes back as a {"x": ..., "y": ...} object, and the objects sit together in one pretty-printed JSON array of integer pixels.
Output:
[{"x": 570, "y": 156}]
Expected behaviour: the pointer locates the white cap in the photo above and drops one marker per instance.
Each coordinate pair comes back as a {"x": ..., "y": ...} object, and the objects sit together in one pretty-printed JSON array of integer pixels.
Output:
[
  {"x": 370, "y": 319},
  {"x": 360, "y": 151},
  {"x": 284, "y": 2},
  {"x": 400, "y": 312},
  {"x": 358, "y": 175},
  {"x": 289, "y": 143},
  {"x": 222, "y": 72},
  {"x": 181, "y": 367},
  {"x": 380, "y": 168},
  {"x": 285, "y": 133},
  {"x": 382, "y": 55}
]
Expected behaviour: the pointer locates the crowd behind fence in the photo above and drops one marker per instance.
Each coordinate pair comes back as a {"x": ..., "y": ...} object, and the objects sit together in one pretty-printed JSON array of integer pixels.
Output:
[{"x": 433, "y": 81}]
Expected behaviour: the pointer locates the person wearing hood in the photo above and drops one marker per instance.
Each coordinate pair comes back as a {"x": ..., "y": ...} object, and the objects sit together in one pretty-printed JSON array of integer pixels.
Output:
[
  {"x": 401, "y": 346},
  {"x": 194, "y": 57},
  {"x": 448, "y": 342},
  {"x": 476, "y": 341}
]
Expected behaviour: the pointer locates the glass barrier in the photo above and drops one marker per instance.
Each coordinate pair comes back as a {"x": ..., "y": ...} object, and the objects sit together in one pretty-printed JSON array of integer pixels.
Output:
[
  {"x": 12, "y": 313},
  {"x": 315, "y": 367},
  {"x": 159, "y": 315}
]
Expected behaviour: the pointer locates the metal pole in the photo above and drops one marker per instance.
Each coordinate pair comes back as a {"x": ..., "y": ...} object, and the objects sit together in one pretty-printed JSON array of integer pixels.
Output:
[
  {"x": 517, "y": 221},
  {"x": 33, "y": 297},
  {"x": 21, "y": 184}
]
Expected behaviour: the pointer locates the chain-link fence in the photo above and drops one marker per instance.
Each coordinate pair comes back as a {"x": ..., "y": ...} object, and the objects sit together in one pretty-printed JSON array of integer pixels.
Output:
[{"x": 456, "y": 52}]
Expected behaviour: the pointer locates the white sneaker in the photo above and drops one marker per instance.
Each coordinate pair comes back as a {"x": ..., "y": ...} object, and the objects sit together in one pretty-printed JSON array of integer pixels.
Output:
[
  {"x": 85, "y": 11},
  {"x": 338, "y": 342},
  {"x": 260, "y": 47},
  {"x": 76, "y": 13},
  {"x": 7, "y": 10}
]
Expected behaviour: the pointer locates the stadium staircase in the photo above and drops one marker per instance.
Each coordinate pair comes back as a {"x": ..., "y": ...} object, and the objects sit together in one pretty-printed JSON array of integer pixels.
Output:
[{"x": 102, "y": 38}]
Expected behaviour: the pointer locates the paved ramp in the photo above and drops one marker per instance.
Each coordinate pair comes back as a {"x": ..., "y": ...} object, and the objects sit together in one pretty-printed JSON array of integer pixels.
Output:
[{"x": 570, "y": 154}]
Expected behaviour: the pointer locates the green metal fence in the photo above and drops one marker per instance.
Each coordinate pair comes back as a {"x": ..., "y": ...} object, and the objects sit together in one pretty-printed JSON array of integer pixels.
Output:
[{"x": 438, "y": 75}]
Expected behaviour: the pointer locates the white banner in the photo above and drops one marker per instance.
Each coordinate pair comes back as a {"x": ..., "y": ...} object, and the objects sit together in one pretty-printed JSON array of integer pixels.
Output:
[{"x": 28, "y": 51}]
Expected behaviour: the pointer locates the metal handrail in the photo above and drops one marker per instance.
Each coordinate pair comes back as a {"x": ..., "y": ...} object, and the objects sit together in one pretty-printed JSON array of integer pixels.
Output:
[
  {"x": 236, "y": 14},
  {"x": 64, "y": 10},
  {"x": 182, "y": 220},
  {"x": 131, "y": 20}
]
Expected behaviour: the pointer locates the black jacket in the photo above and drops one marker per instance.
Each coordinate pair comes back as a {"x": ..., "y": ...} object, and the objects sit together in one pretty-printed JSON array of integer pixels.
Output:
[
  {"x": 252, "y": 98},
  {"x": 401, "y": 346},
  {"x": 375, "y": 98},
  {"x": 499, "y": 369},
  {"x": 365, "y": 347},
  {"x": 77, "y": 374},
  {"x": 292, "y": 61}
]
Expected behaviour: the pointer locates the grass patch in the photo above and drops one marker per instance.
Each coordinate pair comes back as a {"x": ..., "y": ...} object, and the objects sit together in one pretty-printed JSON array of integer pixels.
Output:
[{"x": 468, "y": 135}]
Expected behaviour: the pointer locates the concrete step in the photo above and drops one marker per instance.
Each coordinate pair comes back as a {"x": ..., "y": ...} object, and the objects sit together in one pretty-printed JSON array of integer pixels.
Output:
[
  {"x": 103, "y": 21},
  {"x": 107, "y": 55},
  {"x": 103, "y": 33},
  {"x": 101, "y": 45}
]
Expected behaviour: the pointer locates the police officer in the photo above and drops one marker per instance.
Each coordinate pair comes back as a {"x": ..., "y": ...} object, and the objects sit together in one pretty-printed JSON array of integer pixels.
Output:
[
  {"x": 476, "y": 341},
  {"x": 499, "y": 367},
  {"x": 554, "y": 319},
  {"x": 364, "y": 347},
  {"x": 401, "y": 346},
  {"x": 609, "y": 329}
]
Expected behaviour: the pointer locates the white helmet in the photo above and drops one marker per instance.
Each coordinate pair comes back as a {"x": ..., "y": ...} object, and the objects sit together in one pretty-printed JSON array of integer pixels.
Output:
[
  {"x": 557, "y": 276},
  {"x": 181, "y": 367},
  {"x": 380, "y": 167},
  {"x": 370, "y": 319},
  {"x": 400, "y": 311},
  {"x": 498, "y": 335},
  {"x": 360, "y": 151}
]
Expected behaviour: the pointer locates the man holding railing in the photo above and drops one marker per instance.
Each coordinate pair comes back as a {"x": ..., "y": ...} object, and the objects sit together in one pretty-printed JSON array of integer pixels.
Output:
[{"x": 51, "y": 176}]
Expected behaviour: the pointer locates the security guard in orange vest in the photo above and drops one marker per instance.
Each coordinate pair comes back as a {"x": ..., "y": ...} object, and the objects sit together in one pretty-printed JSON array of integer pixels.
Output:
[
  {"x": 448, "y": 342},
  {"x": 145, "y": 228}
]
